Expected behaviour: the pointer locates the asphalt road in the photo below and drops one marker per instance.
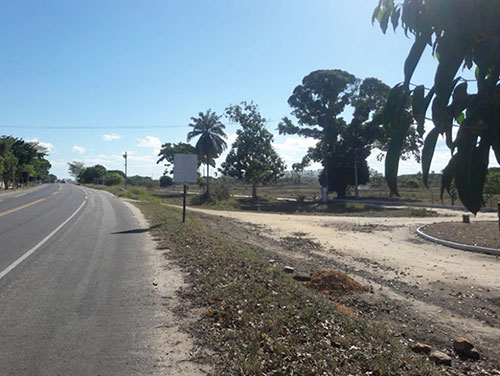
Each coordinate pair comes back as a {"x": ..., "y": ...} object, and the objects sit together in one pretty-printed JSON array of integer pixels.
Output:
[{"x": 76, "y": 296}]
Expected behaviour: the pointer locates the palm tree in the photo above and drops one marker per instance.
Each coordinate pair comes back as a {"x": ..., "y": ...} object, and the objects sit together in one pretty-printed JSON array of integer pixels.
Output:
[{"x": 211, "y": 142}]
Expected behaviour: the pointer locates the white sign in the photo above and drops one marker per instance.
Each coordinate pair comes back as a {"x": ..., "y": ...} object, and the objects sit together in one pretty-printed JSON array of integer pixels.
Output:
[{"x": 185, "y": 168}]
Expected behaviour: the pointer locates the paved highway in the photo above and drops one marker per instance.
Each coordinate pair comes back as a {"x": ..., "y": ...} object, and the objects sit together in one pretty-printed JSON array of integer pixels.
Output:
[{"x": 76, "y": 296}]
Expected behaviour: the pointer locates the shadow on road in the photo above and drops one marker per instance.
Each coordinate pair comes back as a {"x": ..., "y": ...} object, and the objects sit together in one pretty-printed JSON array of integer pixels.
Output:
[{"x": 136, "y": 231}]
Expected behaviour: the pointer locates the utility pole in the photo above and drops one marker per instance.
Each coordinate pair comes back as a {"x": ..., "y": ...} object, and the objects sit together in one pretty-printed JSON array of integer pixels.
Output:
[{"x": 125, "y": 156}]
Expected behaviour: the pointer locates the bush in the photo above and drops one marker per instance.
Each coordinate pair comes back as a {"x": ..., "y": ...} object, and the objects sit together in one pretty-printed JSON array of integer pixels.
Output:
[
  {"x": 220, "y": 191},
  {"x": 166, "y": 181},
  {"x": 412, "y": 183},
  {"x": 114, "y": 178}
]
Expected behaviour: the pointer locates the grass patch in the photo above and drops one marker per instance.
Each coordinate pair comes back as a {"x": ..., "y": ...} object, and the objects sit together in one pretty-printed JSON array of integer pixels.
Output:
[
  {"x": 261, "y": 322},
  {"x": 272, "y": 205},
  {"x": 133, "y": 193}
]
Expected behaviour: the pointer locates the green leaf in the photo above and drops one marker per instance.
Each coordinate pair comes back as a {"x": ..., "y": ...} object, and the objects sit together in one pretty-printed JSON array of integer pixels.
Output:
[
  {"x": 428, "y": 153},
  {"x": 393, "y": 155},
  {"x": 414, "y": 56},
  {"x": 419, "y": 109},
  {"x": 395, "y": 18},
  {"x": 473, "y": 162},
  {"x": 448, "y": 176},
  {"x": 460, "y": 118},
  {"x": 385, "y": 20},
  {"x": 376, "y": 12}
]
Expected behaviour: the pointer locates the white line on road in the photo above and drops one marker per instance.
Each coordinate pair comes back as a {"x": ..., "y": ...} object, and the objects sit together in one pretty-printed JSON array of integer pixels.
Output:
[
  {"x": 11, "y": 267},
  {"x": 22, "y": 194}
]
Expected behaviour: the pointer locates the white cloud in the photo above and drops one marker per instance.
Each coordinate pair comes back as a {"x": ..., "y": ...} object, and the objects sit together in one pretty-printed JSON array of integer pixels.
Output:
[
  {"x": 111, "y": 137},
  {"x": 79, "y": 149},
  {"x": 46, "y": 145},
  {"x": 150, "y": 142},
  {"x": 294, "y": 148},
  {"x": 295, "y": 145}
]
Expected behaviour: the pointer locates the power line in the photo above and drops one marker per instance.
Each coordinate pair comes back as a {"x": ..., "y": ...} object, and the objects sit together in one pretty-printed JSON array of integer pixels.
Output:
[{"x": 92, "y": 127}]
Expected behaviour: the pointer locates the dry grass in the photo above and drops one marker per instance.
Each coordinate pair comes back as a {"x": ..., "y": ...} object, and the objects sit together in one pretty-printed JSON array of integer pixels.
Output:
[{"x": 261, "y": 322}]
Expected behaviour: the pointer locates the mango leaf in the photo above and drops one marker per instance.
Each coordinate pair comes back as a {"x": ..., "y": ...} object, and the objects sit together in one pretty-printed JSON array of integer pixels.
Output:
[
  {"x": 448, "y": 176},
  {"x": 428, "y": 153},
  {"x": 452, "y": 55},
  {"x": 460, "y": 99},
  {"x": 393, "y": 155},
  {"x": 391, "y": 105},
  {"x": 395, "y": 18},
  {"x": 376, "y": 12},
  {"x": 418, "y": 101},
  {"x": 385, "y": 20},
  {"x": 470, "y": 177},
  {"x": 414, "y": 56}
]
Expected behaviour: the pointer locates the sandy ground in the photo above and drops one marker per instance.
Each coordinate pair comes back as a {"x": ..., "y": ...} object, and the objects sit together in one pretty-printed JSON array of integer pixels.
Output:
[
  {"x": 454, "y": 292},
  {"x": 175, "y": 348}
]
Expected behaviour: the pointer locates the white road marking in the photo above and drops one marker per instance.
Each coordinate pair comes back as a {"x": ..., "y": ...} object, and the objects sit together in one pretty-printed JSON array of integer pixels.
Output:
[
  {"x": 22, "y": 194},
  {"x": 12, "y": 266}
]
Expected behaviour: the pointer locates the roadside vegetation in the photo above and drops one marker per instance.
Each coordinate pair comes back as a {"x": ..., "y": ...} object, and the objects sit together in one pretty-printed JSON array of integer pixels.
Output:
[
  {"x": 133, "y": 193},
  {"x": 260, "y": 321},
  {"x": 23, "y": 163}
]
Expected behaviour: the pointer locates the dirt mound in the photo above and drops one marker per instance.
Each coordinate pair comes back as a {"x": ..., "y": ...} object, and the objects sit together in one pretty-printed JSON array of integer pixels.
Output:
[{"x": 333, "y": 282}]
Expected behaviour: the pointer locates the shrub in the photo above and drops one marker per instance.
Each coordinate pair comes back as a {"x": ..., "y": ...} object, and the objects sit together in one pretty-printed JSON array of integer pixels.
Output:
[
  {"x": 166, "y": 181},
  {"x": 412, "y": 183}
]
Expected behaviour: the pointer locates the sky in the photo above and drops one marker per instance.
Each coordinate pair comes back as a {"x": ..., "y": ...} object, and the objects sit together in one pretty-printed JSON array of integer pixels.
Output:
[{"x": 92, "y": 79}]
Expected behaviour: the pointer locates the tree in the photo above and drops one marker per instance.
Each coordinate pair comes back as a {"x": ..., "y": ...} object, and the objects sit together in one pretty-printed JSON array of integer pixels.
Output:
[
  {"x": 319, "y": 105},
  {"x": 75, "y": 168},
  {"x": 252, "y": 157},
  {"x": 166, "y": 181},
  {"x": 211, "y": 142},
  {"x": 94, "y": 174},
  {"x": 169, "y": 149},
  {"x": 461, "y": 34}
]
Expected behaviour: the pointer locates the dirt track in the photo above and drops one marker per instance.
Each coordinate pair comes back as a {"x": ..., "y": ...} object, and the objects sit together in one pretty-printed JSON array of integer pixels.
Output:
[{"x": 435, "y": 292}]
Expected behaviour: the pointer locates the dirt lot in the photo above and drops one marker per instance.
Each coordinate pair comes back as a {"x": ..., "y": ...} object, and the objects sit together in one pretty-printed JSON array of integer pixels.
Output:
[
  {"x": 482, "y": 234},
  {"x": 425, "y": 292}
]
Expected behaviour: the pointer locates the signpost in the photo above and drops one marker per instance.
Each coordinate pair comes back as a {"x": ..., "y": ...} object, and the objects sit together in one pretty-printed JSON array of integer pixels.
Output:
[{"x": 185, "y": 172}]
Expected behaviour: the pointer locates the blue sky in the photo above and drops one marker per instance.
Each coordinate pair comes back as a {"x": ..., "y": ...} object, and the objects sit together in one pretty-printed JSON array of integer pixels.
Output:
[{"x": 91, "y": 79}]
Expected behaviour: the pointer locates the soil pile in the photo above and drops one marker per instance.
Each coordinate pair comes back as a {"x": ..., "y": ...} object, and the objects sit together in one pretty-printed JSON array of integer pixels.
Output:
[{"x": 333, "y": 282}]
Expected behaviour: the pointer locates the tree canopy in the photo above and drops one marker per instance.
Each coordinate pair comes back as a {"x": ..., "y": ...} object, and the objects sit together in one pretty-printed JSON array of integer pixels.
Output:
[
  {"x": 463, "y": 35},
  {"x": 320, "y": 105},
  {"x": 252, "y": 157},
  {"x": 22, "y": 161}
]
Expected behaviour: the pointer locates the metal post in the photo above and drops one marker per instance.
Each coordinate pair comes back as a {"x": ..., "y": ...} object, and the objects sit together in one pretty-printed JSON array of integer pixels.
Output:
[
  {"x": 125, "y": 156},
  {"x": 184, "y": 204}
]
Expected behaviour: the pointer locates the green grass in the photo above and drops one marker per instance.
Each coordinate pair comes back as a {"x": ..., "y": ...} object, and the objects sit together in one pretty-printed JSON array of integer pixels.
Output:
[
  {"x": 260, "y": 321},
  {"x": 134, "y": 193}
]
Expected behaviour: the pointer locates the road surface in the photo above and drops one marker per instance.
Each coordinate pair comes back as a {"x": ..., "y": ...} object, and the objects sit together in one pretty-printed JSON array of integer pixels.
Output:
[{"x": 76, "y": 287}]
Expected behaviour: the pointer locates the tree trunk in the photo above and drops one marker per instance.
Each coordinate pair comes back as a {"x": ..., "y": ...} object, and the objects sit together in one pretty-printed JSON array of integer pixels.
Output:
[
  {"x": 254, "y": 191},
  {"x": 208, "y": 177}
]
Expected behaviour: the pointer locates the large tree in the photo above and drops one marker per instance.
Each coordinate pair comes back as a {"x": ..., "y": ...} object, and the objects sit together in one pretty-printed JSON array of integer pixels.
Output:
[
  {"x": 75, "y": 168},
  {"x": 252, "y": 157},
  {"x": 320, "y": 105},
  {"x": 210, "y": 144},
  {"x": 462, "y": 34}
]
